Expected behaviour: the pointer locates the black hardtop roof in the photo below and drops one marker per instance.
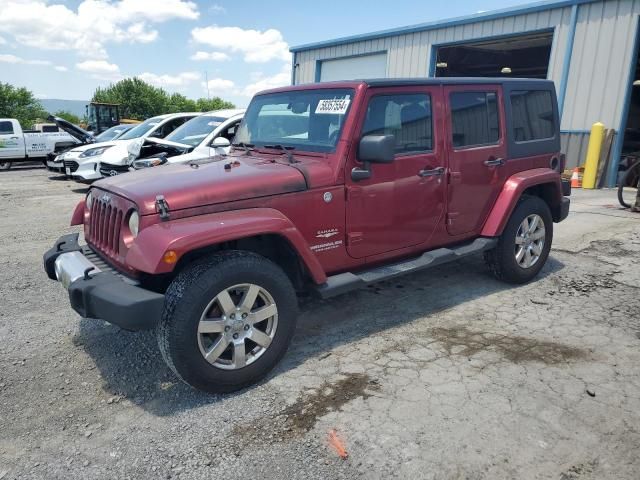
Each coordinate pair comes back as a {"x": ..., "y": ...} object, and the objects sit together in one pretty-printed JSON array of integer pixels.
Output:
[
  {"x": 392, "y": 82},
  {"x": 513, "y": 83}
]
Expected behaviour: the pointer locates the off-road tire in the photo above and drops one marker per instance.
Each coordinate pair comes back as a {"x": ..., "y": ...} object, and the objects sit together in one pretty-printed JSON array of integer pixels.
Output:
[
  {"x": 501, "y": 260},
  {"x": 5, "y": 165},
  {"x": 187, "y": 298}
]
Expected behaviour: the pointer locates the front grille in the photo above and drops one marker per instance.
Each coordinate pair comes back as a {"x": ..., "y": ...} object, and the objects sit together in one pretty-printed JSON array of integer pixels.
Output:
[
  {"x": 108, "y": 170},
  {"x": 105, "y": 222},
  {"x": 97, "y": 260},
  {"x": 71, "y": 165}
]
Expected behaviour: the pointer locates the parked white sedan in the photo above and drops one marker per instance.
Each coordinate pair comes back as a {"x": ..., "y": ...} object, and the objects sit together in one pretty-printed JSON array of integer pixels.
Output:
[
  {"x": 205, "y": 136},
  {"x": 83, "y": 163}
]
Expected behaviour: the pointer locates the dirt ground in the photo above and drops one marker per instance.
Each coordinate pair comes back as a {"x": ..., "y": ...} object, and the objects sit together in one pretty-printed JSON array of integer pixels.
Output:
[{"x": 447, "y": 374}]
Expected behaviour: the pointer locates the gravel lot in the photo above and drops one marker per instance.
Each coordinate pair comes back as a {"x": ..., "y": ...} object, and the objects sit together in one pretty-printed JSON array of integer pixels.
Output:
[{"x": 442, "y": 375}]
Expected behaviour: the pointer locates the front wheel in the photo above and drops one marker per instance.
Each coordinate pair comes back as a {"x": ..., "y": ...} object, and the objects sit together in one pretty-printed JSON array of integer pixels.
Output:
[
  {"x": 227, "y": 322},
  {"x": 523, "y": 247},
  {"x": 5, "y": 165}
]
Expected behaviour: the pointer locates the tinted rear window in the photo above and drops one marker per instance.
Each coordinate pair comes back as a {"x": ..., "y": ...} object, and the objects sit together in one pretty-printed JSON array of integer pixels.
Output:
[
  {"x": 532, "y": 115},
  {"x": 474, "y": 116}
]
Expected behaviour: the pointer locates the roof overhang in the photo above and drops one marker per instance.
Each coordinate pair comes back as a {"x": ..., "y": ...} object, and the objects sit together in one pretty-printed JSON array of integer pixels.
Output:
[{"x": 452, "y": 22}]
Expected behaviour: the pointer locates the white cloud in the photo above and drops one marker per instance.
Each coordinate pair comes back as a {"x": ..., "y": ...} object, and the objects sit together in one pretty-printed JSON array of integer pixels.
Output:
[
  {"x": 170, "y": 81},
  {"x": 8, "y": 58},
  {"x": 2, "y": 41},
  {"x": 60, "y": 68},
  {"x": 255, "y": 45},
  {"x": 280, "y": 79},
  {"x": 53, "y": 26},
  {"x": 215, "y": 8},
  {"x": 213, "y": 56},
  {"x": 220, "y": 85},
  {"x": 97, "y": 66}
]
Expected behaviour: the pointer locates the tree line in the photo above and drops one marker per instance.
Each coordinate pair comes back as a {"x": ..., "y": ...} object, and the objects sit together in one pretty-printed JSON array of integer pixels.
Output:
[{"x": 138, "y": 100}]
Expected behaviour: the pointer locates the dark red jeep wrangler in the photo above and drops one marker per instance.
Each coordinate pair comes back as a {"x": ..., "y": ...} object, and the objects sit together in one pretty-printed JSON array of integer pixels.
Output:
[{"x": 329, "y": 187}]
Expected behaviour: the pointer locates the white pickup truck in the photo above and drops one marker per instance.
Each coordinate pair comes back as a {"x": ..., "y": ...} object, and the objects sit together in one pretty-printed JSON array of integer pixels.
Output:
[{"x": 24, "y": 145}]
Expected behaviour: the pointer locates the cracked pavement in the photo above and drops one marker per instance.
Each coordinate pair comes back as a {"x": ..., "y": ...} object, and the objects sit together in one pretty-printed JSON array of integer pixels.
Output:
[{"x": 447, "y": 374}]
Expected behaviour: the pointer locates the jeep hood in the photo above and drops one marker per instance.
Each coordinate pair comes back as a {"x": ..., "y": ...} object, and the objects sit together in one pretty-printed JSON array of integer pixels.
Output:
[
  {"x": 186, "y": 186},
  {"x": 76, "y": 132}
]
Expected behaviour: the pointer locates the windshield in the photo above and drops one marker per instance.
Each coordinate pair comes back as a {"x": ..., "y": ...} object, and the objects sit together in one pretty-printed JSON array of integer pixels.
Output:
[
  {"x": 141, "y": 129},
  {"x": 307, "y": 120},
  {"x": 195, "y": 130},
  {"x": 112, "y": 133}
]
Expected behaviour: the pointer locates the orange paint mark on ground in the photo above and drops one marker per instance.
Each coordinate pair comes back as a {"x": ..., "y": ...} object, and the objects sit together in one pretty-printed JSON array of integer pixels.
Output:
[{"x": 337, "y": 444}]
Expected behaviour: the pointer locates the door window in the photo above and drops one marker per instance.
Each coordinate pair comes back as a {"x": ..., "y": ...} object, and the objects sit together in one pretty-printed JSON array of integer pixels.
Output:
[
  {"x": 6, "y": 128},
  {"x": 407, "y": 117},
  {"x": 474, "y": 118}
]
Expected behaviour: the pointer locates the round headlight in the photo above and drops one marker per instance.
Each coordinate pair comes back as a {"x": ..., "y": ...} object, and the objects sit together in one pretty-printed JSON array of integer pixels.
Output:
[
  {"x": 89, "y": 200},
  {"x": 134, "y": 221}
]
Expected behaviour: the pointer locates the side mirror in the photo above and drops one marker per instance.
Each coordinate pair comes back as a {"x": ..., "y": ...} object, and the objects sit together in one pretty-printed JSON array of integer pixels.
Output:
[
  {"x": 377, "y": 148},
  {"x": 220, "y": 142},
  {"x": 373, "y": 149}
]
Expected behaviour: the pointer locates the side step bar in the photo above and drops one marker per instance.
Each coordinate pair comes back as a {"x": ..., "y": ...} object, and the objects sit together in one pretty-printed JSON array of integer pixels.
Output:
[{"x": 345, "y": 282}]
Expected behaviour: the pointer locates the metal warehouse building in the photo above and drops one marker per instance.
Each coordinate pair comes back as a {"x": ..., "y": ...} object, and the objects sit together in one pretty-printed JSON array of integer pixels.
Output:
[{"x": 588, "y": 48}]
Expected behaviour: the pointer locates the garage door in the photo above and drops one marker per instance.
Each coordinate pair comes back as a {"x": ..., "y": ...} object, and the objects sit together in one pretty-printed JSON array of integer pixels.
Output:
[{"x": 366, "y": 66}]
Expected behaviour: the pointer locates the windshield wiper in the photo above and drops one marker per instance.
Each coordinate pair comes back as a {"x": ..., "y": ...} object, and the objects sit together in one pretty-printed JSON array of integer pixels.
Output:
[
  {"x": 286, "y": 150},
  {"x": 246, "y": 146}
]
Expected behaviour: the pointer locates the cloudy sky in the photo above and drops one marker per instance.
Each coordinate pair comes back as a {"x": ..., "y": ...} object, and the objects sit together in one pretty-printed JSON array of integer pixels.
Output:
[{"x": 66, "y": 48}]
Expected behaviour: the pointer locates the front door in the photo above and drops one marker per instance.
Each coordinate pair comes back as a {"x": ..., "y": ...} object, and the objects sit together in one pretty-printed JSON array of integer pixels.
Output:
[
  {"x": 11, "y": 142},
  {"x": 402, "y": 202},
  {"x": 477, "y": 152}
]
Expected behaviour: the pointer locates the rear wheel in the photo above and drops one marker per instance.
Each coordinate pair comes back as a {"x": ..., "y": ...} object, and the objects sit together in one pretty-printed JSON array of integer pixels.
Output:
[
  {"x": 227, "y": 321},
  {"x": 523, "y": 247},
  {"x": 4, "y": 165}
]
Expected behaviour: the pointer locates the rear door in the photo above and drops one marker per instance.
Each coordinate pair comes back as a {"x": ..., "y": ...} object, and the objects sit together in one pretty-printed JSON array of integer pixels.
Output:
[
  {"x": 402, "y": 203},
  {"x": 11, "y": 140},
  {"x": 477, "y": 153}
]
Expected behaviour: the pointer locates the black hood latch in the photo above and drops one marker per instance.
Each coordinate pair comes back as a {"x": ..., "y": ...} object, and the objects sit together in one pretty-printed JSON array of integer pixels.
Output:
[{"x": 162, "y": 207}]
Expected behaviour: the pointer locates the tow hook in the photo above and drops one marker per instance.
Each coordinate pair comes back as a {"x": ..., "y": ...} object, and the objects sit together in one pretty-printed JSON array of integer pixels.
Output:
[{"x": 162, "y": 207}]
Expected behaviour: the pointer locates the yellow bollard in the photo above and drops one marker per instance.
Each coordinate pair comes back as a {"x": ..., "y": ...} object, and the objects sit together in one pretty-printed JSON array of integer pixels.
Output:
[{"x": 593, "y": 155}]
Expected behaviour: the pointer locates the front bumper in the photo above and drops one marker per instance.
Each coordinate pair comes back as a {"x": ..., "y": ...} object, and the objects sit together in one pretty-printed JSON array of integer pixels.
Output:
[
  {"x": 87, "y": 171},
  {"x": 109, "y": 170},
  {"x": 55, "y": 166},
  {"x": 101, "y": 293}
]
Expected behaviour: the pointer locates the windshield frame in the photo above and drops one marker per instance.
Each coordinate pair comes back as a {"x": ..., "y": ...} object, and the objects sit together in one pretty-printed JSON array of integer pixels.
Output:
[
  {"x": 196, "y": 121},
  {"x": 151, "y": 123},
  {"x": 330, "y": 92}
]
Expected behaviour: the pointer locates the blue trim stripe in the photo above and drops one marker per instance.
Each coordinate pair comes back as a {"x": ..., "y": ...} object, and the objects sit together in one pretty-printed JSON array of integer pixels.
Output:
[
  {"x": 612, "y": 174},
  {"x": 566, "y": 64},
  {"x": 478, "y": 17}
]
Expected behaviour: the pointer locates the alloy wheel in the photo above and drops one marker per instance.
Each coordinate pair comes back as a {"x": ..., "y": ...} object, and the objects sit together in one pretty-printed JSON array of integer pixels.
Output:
[
  {"x": 237, "y": 326},
  {"x": 529, "y": 241}
]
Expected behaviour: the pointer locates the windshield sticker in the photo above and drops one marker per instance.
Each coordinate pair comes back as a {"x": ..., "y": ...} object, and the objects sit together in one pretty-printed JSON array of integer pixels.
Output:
[{"x": 334, "y": 106}]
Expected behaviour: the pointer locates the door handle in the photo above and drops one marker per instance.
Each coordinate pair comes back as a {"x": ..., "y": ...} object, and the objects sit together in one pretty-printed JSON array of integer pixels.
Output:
[
  {"x": 13, "y": 138},
  {"x": 494, "y": 162},
  {"x": 431, "y": 173}
]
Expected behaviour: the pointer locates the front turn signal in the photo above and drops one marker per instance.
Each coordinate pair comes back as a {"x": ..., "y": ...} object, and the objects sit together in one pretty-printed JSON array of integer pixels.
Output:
[{"x": 170, "y": 257}]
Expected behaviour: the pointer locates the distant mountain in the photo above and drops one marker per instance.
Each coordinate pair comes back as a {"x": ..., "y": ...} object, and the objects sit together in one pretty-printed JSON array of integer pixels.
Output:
[{"x": 77, "y": 107}]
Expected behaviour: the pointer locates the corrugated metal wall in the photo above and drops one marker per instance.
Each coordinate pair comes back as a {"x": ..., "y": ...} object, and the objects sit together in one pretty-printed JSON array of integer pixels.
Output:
[
  {"x": 599, "y": 68},
  {"x": 409, "y": 55},
  {"x": 600, "y": 64}
]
